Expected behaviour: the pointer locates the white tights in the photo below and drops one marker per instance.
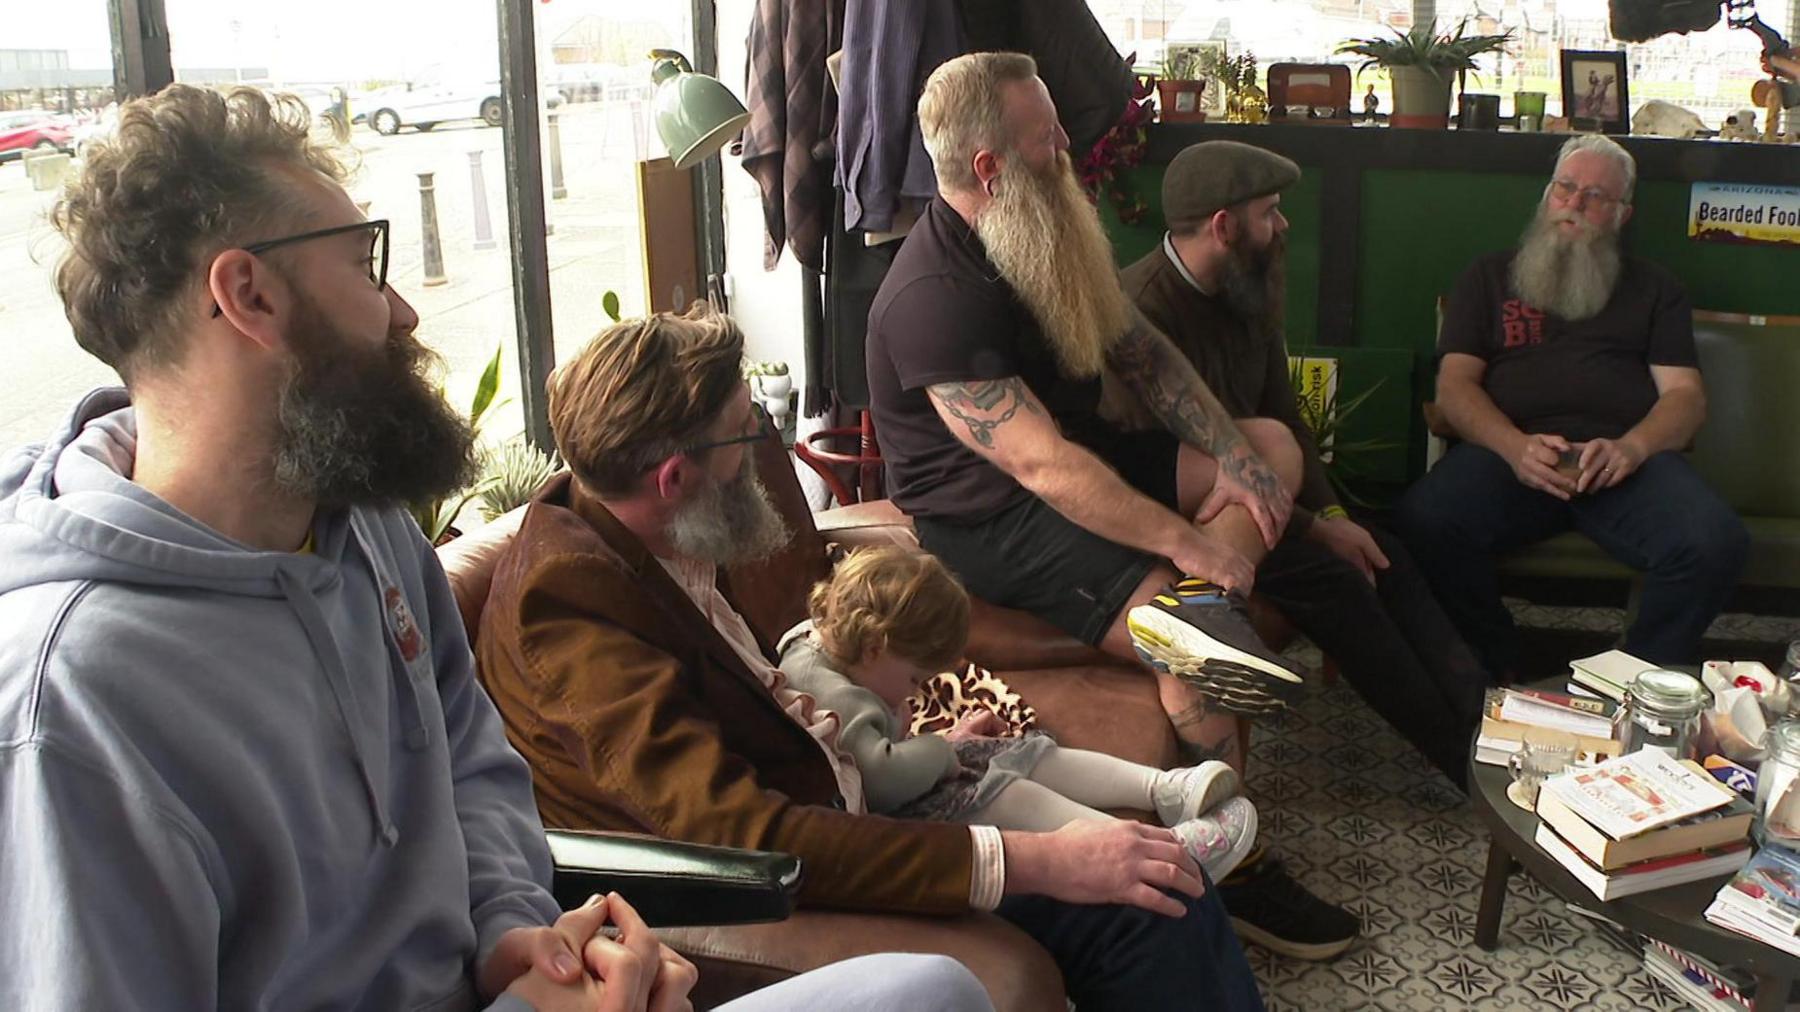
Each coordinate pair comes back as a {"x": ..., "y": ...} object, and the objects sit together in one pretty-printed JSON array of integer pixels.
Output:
[{"x": 1069, "y": 784}]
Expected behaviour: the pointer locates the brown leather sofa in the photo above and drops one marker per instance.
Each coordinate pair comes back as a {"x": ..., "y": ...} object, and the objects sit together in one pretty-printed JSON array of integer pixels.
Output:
[{"x": 1085, "y": 698}]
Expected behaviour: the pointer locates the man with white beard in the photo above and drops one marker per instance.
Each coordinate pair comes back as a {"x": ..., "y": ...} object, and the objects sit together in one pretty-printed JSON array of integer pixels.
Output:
[
  {"x": 1569, "y": 370},
  {"x": 985, "y": 348}
]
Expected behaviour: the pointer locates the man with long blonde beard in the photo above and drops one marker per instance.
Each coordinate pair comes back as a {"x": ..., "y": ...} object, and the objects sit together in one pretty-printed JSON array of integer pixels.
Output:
[
  {"x": 986, "y": 343},
  {"x": 1569, "y": 371}
]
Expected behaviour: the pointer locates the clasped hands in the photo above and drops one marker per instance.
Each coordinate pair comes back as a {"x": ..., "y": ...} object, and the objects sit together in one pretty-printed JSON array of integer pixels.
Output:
[
  {"x": 572, "y": 966},
  {"x": 1557, "y": 467}
]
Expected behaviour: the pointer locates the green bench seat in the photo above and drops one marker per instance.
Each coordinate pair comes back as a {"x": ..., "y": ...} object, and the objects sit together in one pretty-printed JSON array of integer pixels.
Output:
[{"x": 1749, "y": 450}]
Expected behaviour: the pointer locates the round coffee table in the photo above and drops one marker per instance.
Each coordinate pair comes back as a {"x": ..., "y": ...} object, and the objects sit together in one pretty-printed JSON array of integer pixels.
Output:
[{"x": 1674, "y": 915}]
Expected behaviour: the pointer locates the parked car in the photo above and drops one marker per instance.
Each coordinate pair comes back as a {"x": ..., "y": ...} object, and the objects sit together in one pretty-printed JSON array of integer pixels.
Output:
[
  {"x": 32, "y": 130},
  {"x": 424, "y": 103}
]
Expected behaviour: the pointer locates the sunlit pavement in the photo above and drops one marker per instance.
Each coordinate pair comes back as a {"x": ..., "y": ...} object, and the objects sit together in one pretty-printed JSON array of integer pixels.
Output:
[{"x": 593, "y": 247}]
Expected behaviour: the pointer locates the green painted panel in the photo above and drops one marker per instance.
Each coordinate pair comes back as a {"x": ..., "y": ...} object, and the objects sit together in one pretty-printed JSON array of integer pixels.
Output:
[{"x": 1299, "y": 203}]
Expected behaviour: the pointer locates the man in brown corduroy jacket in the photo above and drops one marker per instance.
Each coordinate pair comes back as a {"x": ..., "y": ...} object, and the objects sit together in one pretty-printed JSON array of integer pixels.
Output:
[{"x": 620, "y": 643}]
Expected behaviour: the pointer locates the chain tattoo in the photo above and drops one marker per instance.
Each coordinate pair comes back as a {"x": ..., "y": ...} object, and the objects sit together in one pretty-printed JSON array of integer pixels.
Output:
[{"x": 975, "y": 404}]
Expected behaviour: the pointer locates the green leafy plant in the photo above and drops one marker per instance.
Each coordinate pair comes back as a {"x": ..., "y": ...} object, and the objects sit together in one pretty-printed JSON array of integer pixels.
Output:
[
  {"x": 512, "y": 474},
  {"x": 765, "y": 369},
  {"x": 1182, "y": 63},
  {"x": 1234, "y": 73},
  {"x": 435, "y": 516},
  {"x": 609, "y": 304},
  {"x": 1327, "y": 417},
  {"x": 1442, "y": 52}
]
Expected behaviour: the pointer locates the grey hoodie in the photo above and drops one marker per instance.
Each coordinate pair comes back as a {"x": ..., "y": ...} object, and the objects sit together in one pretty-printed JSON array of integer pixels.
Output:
[{"x": 240, "y": 779}]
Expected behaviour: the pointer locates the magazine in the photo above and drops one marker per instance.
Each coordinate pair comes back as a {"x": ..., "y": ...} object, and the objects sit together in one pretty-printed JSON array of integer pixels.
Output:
[
  {"x": 1766, "y": 892},
  {"x": 1636, "y": 793}
]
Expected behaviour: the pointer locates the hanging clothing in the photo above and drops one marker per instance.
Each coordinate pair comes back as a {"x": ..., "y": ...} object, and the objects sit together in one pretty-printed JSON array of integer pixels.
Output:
[
  {"x": 1087, "y": 79},
  {"x": 890, "y": 48},
  {"x": 787, "y": 146}
]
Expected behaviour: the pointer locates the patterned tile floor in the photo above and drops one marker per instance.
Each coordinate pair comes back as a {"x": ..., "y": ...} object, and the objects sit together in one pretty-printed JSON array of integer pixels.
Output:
[{"x": 1364, "y": 821}]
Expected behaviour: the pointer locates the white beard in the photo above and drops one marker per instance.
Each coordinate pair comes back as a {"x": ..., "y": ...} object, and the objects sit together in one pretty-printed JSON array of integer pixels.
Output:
[{"x": 1571, "y": 277}]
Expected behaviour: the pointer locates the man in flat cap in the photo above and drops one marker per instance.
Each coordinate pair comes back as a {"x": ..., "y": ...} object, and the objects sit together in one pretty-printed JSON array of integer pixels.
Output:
[
  {"x": 985, "y": 347},
  {"x": 1216, "y": 286}
]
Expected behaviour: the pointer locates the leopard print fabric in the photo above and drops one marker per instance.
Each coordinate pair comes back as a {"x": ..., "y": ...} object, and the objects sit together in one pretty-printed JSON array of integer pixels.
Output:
[{"x": 945, "y": 697}]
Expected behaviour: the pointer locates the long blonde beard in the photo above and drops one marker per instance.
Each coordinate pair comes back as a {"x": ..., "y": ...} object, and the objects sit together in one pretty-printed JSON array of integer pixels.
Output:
[{"x": 1045, "y": 238}]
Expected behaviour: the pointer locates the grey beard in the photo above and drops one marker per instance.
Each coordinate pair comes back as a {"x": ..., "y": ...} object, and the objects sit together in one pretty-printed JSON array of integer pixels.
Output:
[
  {"x": 729, "y": 523},
  {"x": 1568, "y": 277}
]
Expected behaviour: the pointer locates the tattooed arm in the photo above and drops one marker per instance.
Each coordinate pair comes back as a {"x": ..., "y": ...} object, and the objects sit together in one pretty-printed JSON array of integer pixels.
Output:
[
  {"x": 1165, "y": 382},
  {"x": 1007, "y": 425}
]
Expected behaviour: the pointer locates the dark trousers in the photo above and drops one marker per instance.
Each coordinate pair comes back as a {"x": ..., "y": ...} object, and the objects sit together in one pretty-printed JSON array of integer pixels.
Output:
[
  {"x": 1391, "y": 641},
  {"x": 1129, "y": 959},
  {"x": 1662, "y": 521}
]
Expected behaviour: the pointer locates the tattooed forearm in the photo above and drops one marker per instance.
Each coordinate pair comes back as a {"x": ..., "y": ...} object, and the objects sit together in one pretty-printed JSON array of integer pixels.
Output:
[
  {"x": 1248, "y": 470},
  {"x": 1169, "y": 387},
  {"x": 985, "y": 405}
]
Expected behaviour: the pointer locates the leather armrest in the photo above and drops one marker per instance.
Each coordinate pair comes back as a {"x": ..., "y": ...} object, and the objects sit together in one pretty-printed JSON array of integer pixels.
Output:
[
  {"x": 1018, "y": 974},
  {"x": 671, "y": 883}
]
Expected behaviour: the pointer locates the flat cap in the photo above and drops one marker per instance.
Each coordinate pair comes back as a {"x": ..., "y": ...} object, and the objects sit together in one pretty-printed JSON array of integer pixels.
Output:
[{"x": 1210, "y": 176}]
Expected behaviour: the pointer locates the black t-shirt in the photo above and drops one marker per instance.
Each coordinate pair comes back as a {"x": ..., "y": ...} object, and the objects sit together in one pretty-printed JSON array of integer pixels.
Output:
[
  {"x": 1580, "y": 379},
  {"x": 943, "y": 315}
]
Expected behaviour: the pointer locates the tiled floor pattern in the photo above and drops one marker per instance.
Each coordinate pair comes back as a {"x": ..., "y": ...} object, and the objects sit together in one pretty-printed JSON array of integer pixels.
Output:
[{"x": 1363, "y": 820}]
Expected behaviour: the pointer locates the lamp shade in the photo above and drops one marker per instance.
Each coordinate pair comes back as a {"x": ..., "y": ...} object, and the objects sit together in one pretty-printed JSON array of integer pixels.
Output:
[{"x": 695, "y": 114}]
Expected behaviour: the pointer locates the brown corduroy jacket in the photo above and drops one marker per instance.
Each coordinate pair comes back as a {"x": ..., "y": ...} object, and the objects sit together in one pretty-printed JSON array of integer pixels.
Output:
[{"x": 635, "y": 714}]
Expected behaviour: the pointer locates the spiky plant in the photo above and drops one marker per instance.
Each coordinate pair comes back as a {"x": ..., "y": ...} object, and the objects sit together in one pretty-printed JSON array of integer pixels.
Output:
[
  {"x": 1424, "y": 46},
  {"x": 512, "y": 474}
]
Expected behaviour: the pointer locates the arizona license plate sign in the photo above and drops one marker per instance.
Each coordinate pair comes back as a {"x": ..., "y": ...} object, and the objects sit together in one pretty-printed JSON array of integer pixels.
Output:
[{"x": 1744, "y": 212}]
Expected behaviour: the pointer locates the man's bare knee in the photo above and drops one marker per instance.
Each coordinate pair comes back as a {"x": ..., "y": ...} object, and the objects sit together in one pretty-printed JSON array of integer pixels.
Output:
[{"x": 1274, "y": 442}]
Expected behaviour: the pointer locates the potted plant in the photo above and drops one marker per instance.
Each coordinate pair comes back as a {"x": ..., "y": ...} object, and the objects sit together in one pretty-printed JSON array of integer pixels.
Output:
[
  {"x": 1422, "y": 62},
  {"x": 436, "y": 517},
  {"x": 1245, "y": 101},
  {"x": 1179, "y": 89},
  {"x": 1328, "y": 418}
]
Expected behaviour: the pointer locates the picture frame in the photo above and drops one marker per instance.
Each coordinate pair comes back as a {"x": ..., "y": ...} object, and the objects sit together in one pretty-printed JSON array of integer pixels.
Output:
[
  {"x": 1212, "y": 100},
  {"x": 1595, "y": 87}
]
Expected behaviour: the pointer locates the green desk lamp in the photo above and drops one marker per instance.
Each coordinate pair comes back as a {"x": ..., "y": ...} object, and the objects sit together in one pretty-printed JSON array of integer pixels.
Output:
[{"x": 695, "y": 114}]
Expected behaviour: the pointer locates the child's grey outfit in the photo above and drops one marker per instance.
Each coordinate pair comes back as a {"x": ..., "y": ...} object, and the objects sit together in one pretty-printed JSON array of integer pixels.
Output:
[{"x": 907, "y": 777}]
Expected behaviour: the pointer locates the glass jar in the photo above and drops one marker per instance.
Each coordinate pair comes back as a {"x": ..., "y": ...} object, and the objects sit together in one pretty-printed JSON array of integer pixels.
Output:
[
  {"x": 1790, "y": 668},
  {"x": 1777, "y": 792},
  {"x": 1662, "y": 710}
]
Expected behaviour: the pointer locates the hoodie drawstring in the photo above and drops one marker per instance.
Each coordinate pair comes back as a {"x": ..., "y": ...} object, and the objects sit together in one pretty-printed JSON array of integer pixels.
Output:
[{"x": 318, "y": 634}]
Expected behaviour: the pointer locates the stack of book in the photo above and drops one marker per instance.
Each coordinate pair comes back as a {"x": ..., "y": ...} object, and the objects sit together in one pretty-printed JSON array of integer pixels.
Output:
[
  {"x": 1640, "y": 822},
  {"x": 1763, "y": 900},
  {"x": 1700, "y": 983},
  {"x": 1606, "y": 674},
  {"x": 1510, "y": 713}
]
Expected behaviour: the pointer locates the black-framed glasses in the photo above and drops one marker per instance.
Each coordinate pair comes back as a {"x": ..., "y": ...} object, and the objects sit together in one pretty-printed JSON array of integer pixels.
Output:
[
  {"x": 378, "y": 248},
  {"x": 757, "y": 414}
]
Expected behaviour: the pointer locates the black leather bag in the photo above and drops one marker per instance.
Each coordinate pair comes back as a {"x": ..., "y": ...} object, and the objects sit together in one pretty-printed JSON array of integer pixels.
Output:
[{"x": 674, "y": 884}]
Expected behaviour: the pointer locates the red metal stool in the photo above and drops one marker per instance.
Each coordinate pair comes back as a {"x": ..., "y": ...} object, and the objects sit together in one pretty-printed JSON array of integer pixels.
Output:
[{"x": 867, "y": 461}]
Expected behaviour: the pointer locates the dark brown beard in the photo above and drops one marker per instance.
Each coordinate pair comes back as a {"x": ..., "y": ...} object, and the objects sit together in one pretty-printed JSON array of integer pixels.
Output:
[
  {"x": 362, "y": 426},
  {"x": 1253, "y": 285},
  {"x": 1045, "y": 239}
]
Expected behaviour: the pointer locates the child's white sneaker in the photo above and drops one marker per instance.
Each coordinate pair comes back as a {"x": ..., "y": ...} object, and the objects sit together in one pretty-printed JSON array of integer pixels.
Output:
[
  {"x": 1220, "y": 839},
  {"x": 1191, "y": 791}
]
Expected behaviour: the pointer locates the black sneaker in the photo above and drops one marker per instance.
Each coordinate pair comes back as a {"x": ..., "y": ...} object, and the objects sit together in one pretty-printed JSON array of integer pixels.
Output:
[
  {"x": 1202, "y": 635},
  {"x": 1270, "y": 909}
]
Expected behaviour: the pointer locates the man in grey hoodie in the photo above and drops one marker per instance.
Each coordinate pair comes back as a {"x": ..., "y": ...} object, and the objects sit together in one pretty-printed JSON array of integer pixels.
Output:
[{"x": 244, "y": 762}]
